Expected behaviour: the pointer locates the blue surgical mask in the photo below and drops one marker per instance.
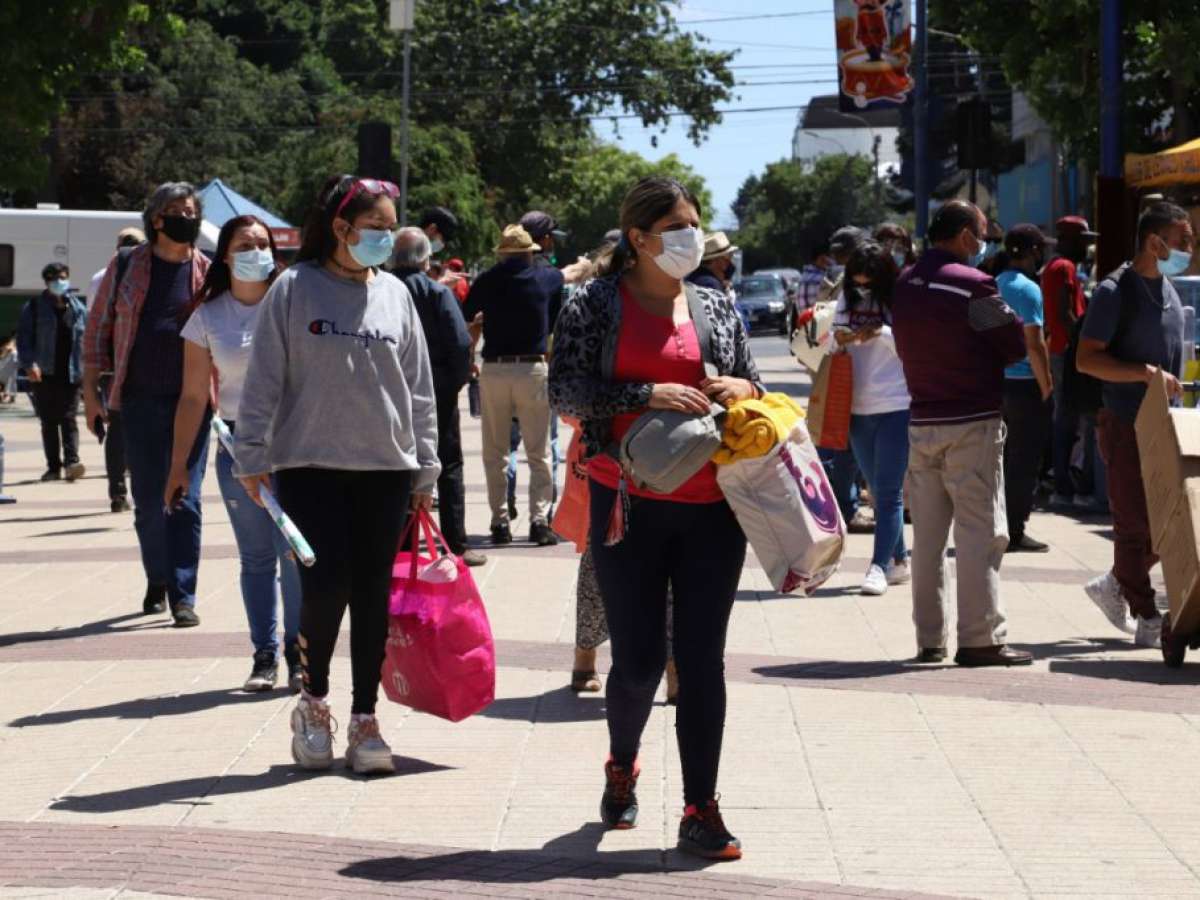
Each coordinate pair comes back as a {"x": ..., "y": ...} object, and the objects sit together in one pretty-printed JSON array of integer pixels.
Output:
[
  {"x": 899, "y": 258},
  {"x": 1176, "y": 263},
  {"x": 253, "y": 265},
  {"x": 60, "y": 286},
  {"x": 374, "y": 247}
]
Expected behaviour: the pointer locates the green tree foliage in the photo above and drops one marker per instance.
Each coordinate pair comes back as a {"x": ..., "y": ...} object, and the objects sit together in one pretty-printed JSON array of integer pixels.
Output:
[
  {"x": 1051, "y": 51},
  {"x": 793, "y": 207},
  {"x": 586, "y": 194},
  {"x": 268, "y": 94},
  {"x": 46, "y": 47}
]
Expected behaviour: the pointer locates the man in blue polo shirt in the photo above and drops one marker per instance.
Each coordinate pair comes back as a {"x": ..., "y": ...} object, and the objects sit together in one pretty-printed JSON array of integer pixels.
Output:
[
  {"x": 520, "y": 303},
  {"x": 1027, "y": 384}
]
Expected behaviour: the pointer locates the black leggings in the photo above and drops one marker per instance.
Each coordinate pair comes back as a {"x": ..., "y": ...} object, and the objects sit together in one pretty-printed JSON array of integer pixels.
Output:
[
  {"x": 698, "y": 551},
  {"x": 353, "y": 520}
]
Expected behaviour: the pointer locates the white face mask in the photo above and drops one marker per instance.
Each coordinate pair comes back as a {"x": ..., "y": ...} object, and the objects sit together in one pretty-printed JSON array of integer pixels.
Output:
[
  {"x": 436, "y": 245},
  {"x": 682, "y": 251}
]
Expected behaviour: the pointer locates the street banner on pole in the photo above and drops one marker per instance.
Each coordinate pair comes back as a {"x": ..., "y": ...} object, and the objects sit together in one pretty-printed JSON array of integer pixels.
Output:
[{"x": 874, "y": 46}]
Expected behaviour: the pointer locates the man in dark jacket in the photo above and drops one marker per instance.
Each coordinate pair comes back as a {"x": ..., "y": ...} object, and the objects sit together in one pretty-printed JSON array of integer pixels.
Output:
[
  {"x": 49, "y": 349},
  {"x": 450, "y": 358},
  {"x": 955, "y": 335}
]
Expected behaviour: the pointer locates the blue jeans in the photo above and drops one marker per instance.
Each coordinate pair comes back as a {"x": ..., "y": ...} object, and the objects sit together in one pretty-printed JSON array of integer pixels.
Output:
[
  {"x": 170, "y": 544},
  {"x": 514, "y": 443},
  {"x": 260, "y": 544},
  {"x": 880, "y": 444},
  {"x": 842, "y": 471}
]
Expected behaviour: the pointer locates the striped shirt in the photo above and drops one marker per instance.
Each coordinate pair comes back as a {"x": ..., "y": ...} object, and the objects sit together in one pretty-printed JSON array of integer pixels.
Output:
[{"x": 112, "y": 325}]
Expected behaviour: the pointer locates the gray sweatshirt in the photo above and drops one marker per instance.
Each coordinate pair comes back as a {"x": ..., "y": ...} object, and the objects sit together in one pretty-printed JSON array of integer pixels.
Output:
[{"x": 339, "y": 378}]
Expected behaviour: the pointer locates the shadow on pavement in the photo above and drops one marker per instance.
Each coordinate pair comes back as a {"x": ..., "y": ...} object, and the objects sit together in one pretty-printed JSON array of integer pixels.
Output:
[
  {"x": 573, "y": 855},
  {"x": 151, "y": 707},
  {"x": 1139, "y": 671},
  {"x": 58, "y": 518},
  {"x": 101, "y": 530},
  {"x": 755, "y": 596},
  {"x": 557, "y": 706},
  {"x": 198, "y": 791},
  {"x": 101, "y": 626}
]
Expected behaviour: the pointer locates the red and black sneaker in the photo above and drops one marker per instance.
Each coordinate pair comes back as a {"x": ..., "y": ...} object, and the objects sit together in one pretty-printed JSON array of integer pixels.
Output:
[
  {"x": 703, "y": 833},
  {"x": 619, "y": 805}
]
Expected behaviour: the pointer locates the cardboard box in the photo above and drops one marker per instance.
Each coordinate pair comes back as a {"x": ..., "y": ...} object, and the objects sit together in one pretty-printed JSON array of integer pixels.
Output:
[
  {"x": 1169, "y": 445},
  {"x": 1179, "y": 550}
]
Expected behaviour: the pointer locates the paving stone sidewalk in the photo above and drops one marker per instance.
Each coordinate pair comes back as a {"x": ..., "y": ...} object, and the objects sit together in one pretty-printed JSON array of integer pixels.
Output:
[{"x": 133, "y": 766}]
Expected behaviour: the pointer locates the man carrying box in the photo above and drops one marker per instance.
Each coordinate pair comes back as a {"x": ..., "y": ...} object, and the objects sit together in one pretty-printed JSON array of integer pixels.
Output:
[{"x": 1134, "y": 328}]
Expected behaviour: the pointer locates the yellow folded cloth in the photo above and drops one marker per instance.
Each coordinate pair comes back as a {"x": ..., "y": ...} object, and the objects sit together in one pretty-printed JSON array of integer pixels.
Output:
[{"x": 753, "y": 427}]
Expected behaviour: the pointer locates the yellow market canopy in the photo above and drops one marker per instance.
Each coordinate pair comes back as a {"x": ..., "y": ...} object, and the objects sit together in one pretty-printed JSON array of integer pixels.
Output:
[{"x": 1179, "y": 165}]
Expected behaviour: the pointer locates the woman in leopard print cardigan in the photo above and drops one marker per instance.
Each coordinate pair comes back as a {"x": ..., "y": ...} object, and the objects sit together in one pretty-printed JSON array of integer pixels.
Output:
[{"x": 625, "y": 343}]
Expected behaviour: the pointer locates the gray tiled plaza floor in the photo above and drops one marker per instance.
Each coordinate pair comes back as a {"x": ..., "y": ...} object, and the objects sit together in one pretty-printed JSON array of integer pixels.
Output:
[{"x": 131, "y": 766}]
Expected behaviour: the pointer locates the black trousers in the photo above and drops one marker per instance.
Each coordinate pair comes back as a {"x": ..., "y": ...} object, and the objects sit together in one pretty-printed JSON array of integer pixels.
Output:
[
  {"x": 353, "y": 520},
  {"x": 57, "y": 405},
  {"x": 1027, "y": 417},
  {"x": 698, "y": 551},
  {"x": 452, "y": 500}
]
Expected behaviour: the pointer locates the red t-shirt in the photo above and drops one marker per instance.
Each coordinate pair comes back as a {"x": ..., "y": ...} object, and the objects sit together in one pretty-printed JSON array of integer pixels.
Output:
[
  {"x": 654, "y": 349},
  {"x": 1058, "y": 274}
]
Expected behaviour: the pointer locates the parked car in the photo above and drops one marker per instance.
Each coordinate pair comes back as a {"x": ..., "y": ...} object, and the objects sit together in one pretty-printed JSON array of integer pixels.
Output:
[
  {"x": 791, "y": 280},
  {"x": 764, "y": 301}
]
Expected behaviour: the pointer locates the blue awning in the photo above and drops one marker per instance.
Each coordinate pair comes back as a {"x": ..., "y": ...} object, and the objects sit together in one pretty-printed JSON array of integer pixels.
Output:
[{"x": 222, "y": 203}]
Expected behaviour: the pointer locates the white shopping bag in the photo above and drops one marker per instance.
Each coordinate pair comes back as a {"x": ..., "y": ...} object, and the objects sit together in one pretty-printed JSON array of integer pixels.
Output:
[
  {"x": 786, "y": 507},
  {"x": 814, "y": 331}
]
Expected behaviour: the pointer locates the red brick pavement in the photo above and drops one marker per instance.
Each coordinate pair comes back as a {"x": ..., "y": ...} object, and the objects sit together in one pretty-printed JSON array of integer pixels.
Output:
[{"x": 213, "y": 863}]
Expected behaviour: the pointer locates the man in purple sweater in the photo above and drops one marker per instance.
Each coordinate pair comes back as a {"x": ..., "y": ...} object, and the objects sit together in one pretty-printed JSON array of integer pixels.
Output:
[{"x": 955, "y": 335}]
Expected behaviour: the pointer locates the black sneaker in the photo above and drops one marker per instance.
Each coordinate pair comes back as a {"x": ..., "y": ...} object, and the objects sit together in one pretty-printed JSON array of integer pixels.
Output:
[
  {"x": 619, "y": 805},
  {"x": 119, "y": 505},
  {"x": 1026, "y": 544},
  {"x": 541, "y": 534},
  {"x": 51, "y": 475},
  {"x": 931, "y": 655},
  {"x": 702, "y": 833},
  {"x": 501, "y": 535},
  {"x": 264, "y": 672},
  {"x": 155, "y": 600},
  {"x": 185, "y": 617},
  {"x": 291, "y": 655}
]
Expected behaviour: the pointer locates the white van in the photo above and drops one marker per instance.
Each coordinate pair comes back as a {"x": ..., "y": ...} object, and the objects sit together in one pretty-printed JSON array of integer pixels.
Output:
[{"x": 83, "y": 239}]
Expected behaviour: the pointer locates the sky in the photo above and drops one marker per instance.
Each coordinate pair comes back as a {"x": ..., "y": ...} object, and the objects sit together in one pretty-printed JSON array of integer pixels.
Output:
[{"x": 794, "y": 48}]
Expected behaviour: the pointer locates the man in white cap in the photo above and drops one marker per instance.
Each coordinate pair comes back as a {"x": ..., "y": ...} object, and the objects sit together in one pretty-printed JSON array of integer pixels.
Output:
[{"x": 716, "y": 266}]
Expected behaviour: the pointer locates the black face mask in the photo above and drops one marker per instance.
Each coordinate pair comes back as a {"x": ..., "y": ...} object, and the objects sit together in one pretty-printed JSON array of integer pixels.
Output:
[{"x": 181, "y": 229}]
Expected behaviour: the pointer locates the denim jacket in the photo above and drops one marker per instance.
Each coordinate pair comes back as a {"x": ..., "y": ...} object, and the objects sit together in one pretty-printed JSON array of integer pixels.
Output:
[{"x": 41, "y": 350}]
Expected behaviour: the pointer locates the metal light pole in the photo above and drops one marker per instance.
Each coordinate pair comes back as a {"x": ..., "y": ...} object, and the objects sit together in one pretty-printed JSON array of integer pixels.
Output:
[
  {"x": 400, "y": 18},
  {"x": 921, "y": 122}
]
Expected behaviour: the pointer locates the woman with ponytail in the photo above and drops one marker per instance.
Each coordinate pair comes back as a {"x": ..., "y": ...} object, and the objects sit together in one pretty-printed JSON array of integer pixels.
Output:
[{"x": 625, "y": 343}]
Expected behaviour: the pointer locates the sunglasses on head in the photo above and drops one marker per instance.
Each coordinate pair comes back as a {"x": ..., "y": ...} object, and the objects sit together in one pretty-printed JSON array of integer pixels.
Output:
[{"x": 371, "y": 187}]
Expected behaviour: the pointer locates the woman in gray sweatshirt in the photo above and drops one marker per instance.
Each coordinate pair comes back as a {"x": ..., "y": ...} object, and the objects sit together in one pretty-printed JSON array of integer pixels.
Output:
[{"x": 339, "y": 405}]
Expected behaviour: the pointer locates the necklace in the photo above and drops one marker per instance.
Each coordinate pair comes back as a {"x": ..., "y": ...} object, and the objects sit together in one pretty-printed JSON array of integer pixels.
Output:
[{"x": 1146, "y": 290}]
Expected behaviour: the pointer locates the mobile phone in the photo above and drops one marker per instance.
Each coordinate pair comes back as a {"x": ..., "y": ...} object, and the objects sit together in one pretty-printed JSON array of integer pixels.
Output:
[{"x": 98, "y": 427}]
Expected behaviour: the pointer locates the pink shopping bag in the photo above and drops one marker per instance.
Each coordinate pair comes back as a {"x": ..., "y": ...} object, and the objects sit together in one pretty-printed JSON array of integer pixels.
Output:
[{"x": 440, "y": 655}]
